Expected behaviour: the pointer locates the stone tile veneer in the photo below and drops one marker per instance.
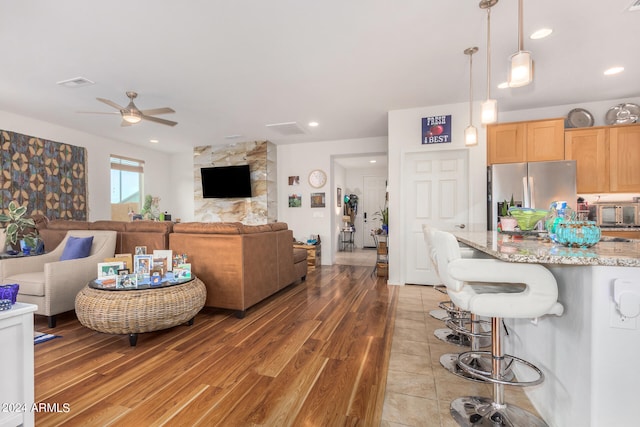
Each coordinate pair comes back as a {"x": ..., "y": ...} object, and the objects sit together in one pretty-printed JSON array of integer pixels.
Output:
[{"x": 259, "y": 209}]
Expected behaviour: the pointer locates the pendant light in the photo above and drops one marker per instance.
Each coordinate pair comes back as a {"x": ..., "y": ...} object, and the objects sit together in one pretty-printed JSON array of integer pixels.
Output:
[
  {"x": 521, "y": 72},
  {"x": 489, "y": 110},
  {"x": 470, "y": 133}
]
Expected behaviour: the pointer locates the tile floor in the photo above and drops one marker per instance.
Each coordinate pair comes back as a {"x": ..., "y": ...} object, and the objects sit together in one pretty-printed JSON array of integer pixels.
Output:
[{"x": 419, "y": 390}]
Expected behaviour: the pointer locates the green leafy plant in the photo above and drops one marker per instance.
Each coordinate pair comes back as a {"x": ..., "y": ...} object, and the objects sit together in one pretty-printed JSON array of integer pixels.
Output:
[
  {"x": 16, "y": 225},
  {"x": 150, "y": 209},
  {"x": 504, "y": 207},
  {"x": 382, "y": 215}
]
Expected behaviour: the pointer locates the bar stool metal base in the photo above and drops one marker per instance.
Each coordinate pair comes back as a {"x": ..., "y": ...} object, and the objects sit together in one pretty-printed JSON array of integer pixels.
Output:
[
  {"x": 481, "y": 411},
  {"x": 450, "y": 362},
  {"x": 439, "y": 314},
  {"x": 451, "y": 337}
]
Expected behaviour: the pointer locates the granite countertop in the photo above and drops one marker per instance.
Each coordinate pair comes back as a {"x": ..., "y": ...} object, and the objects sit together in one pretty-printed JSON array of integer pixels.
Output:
[{"x": 535, "y": 250}]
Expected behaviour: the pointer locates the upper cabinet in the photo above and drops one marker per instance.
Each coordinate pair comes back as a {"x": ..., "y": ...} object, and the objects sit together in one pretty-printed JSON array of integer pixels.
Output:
[
  {"x": 589, "y": 147},
  {"x": 607, "y": 158},
  {"x": 624, "y": 157},
  {"x": 532, "y": 141}
]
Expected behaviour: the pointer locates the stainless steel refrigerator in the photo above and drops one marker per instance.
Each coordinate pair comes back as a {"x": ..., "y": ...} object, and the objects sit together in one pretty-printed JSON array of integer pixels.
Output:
[{"x": 532, "y": 185}]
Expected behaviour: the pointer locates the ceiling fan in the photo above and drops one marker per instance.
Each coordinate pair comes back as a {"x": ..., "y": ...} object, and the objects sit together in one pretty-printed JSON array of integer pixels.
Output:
[{"x": 132, "y": 115}]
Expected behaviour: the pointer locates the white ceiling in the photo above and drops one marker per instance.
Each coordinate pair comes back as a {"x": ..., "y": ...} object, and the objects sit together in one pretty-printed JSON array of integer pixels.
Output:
[{"x": 231, "y": 67}]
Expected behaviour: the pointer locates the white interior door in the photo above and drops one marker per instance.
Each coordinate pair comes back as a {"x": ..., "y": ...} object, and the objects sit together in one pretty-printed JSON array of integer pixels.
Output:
[
  {"x": 373, "y": 199},
  {"x": 436, "y": 193}
]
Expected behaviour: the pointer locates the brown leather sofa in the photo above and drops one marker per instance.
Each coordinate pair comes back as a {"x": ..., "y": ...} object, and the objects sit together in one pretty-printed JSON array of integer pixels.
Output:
[
  {"x": 240, "y": 265},
  {"x": 152, "y": 234}
]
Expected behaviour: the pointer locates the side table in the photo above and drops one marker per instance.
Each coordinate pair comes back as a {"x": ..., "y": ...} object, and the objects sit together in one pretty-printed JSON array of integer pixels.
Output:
[
  {"x": 313, "y": 254},
  {"x": 16, "y": 354},
  {"x": 346, "y": 239}
]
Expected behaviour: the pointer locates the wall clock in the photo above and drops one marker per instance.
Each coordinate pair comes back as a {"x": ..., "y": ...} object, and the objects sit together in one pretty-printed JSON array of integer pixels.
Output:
[{"x": 317, "y": 178}]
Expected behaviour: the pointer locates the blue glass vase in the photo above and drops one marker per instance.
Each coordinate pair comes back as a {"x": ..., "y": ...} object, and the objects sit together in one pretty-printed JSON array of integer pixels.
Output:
[{"x": 577, "y": 234}]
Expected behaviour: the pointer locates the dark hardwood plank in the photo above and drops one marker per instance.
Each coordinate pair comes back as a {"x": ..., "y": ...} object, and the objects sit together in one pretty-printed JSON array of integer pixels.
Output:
[{"x": 315, "y": 353}]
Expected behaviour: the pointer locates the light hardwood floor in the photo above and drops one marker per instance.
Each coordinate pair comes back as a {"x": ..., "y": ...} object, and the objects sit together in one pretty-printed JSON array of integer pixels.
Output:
[{"x": 315, "y": 354}]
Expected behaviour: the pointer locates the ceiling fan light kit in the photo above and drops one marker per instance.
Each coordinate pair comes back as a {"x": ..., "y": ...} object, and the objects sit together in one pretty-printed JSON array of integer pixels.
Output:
[{"x": 132, "y": 115}]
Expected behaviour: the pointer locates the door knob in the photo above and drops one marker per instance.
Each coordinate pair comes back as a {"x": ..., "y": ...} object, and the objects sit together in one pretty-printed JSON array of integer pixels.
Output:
[{"x": 460, "y": 225}]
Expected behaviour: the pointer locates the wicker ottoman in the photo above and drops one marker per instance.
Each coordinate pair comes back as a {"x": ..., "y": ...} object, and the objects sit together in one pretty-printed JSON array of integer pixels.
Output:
[{"x": 143, "y": 310}]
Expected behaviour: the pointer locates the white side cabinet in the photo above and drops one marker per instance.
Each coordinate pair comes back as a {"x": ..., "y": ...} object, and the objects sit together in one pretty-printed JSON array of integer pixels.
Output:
[{"x": 16, "y": 365}]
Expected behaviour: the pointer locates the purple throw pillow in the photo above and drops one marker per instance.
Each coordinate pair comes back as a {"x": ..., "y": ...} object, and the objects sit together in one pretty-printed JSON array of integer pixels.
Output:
[{"x": 77, "y": 247}]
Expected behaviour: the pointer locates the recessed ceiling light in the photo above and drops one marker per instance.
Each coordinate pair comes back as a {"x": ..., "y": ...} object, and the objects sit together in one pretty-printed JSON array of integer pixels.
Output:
[
  {"x": 153, "y": 141},
  {"x": 541, "y": 33},
  {"x": 503, "y": 85},
  {"x": 234, "y": 136},
  {"x": 313, "y": 124},
  {"x": 372, "y": 161},
  {"x": 613, "y": 70}
]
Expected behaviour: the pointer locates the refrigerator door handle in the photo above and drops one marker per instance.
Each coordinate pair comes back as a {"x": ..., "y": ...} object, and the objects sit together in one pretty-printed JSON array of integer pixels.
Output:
[
  {"x": 525, "y": 191},
  {"x": 532, "y": 192}
]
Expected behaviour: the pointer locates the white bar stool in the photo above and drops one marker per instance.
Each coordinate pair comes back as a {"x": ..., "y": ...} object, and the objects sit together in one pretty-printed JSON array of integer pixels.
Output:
[{"x": 538, "y": 299}]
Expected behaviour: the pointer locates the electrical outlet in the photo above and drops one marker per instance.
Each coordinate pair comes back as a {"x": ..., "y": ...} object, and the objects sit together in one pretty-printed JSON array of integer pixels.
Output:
[{"x": 616, "y": 320}]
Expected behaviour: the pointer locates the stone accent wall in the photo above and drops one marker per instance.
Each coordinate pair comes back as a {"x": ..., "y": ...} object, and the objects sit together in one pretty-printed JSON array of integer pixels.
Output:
[{"x": 261, "y": 156}]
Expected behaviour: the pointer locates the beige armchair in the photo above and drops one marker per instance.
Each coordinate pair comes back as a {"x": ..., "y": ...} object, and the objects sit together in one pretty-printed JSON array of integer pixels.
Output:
[{"x": 52, "y": 284}]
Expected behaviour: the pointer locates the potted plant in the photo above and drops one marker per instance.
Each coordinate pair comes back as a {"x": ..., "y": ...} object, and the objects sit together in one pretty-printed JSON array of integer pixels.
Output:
[
  {"x": 16, "y": 227},
  {"x": 507, "y": 222},
  {"x": 383, "y": 216}
]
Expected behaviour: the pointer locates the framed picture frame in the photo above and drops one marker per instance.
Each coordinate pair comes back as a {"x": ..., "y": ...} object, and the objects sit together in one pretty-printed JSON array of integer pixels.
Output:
[
  {"x": 436, "y": 129},
  {"x": 109, "y": 268},
  {"x": 295, "y": 200},
  {"x": 339, "y": 197},
  {"x": 127, "y": 259},
  {"x": 127, "y": 281},
  {"x": 182, "y": 271},
  {"x": 166, "y": 255},
  {"x": 294, "y": 180},
  {"x": 142, "y": 264},
  {"x": 317, "y": 200},
  {"x": 141, "y": 250}
]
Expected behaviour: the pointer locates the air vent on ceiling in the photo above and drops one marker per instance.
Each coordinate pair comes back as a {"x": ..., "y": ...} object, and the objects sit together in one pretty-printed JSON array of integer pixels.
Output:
[
  {"x": 75, "y": 82},
  {"x": 287, "y": 128},
  {"x": 634, "y": 6}
]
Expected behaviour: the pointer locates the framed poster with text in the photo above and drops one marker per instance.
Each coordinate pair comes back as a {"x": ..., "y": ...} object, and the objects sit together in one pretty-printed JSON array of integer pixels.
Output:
[{"x": 436, "y": 129}]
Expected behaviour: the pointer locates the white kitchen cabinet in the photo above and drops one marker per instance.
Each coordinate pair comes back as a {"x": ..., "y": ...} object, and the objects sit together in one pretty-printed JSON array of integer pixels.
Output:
[{"x": 16, "y": 362}]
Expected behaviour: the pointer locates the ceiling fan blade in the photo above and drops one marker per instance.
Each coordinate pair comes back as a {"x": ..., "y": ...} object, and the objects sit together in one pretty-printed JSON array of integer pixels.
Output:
[
  {"x": 156, "y": 111},
  {"x": 159, "y": 120},
  {"x": 98, "y": 112},
  {"x": 110, "y": 103}
]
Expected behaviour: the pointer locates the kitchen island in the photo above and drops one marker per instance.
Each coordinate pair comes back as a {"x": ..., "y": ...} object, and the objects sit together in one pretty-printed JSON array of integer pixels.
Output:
[{"x": 589, "y": 355}]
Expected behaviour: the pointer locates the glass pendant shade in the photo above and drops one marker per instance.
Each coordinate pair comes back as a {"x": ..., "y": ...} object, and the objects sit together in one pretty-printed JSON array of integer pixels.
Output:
[
  {"x": 521, "y": 72},
  {"x": 470, "y": 136},
  {"x": 489, "y": 113},
  {"x": 132, "y": 117}
]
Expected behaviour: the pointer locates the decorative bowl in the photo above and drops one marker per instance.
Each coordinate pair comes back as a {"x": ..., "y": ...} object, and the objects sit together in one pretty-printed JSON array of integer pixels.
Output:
[
  {"x": 577, "y": 234},
  {"x": 527, "y": 218}
]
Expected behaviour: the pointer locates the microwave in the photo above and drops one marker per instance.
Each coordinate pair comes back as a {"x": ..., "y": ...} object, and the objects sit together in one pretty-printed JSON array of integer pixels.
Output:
[{"x": 618, "y": 214}]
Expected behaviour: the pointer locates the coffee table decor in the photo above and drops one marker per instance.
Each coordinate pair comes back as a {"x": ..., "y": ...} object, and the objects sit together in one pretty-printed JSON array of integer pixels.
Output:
[{"x": 145, "y": 307}]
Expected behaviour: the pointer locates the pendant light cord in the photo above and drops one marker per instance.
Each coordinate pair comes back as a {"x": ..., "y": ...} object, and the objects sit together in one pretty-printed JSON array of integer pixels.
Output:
[
  {"x": 470, "y": 89},
  {"x": 520, "y": 31},
  {"x": 489, "y": 53}
]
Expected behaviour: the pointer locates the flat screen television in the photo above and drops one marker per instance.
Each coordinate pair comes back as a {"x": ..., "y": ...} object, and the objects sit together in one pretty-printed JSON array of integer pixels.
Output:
[{"x": 226, "y": 182}]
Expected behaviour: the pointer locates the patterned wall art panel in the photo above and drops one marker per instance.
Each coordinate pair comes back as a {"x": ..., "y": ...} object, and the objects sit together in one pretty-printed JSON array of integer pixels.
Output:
[{"x": 49, "y": 176}]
